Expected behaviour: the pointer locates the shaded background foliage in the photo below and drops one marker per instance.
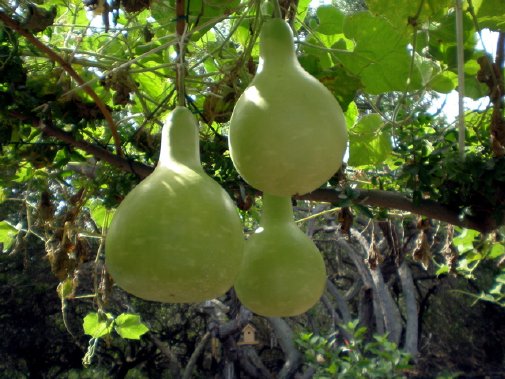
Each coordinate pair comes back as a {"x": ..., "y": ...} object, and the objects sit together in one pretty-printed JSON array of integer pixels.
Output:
[{"x": 81, "y": 107}]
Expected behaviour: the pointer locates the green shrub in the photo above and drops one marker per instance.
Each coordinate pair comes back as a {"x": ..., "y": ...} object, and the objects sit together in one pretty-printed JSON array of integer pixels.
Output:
[{"x": 353, "y": 356}]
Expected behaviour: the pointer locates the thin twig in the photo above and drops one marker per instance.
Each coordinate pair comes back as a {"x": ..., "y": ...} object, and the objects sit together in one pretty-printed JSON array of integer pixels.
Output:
[{"x": 17, "y": 27}]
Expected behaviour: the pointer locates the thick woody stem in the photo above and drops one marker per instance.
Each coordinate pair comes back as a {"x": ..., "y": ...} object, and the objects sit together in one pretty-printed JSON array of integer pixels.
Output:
[{"x": 374, "y": 198}]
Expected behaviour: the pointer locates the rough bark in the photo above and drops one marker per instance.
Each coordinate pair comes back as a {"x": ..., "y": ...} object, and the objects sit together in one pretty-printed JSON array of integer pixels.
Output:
[
  {"x": 391, "y": 313},
  {"x": 358, "y": 261},
  {"x": 285, "y": 337},
  {"x": 235, "y": 325},
  {"x": 409, "y": 293},
  {"x": 188, "y": 371},
  {"x": 251, "y": 363},
  {"x": 342, "y": 306},
  {"x": 365, "y": 311},
  {"x": 174, "y": 366}
]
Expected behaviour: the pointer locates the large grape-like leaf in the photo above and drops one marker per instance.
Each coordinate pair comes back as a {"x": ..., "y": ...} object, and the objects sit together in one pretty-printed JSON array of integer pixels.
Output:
[
  {"x": 7, "y": 235},
  {"x": 490, "y": 14},
  {"x": 331, "y": 20},
  {"x": 343, "y": 85},
  {"x": 96, "y": 325},
  {"x": 380, "y": 59},
  {"x": 442, "y": 41},
  {"x": 404, "y": 12},
  {"x": 129, "y": 326},
  {"x": 369, "y": 142}
]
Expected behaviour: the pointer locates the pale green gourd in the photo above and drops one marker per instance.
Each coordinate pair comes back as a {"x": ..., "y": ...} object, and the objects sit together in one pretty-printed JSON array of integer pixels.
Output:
[
  {"x": 177, "y": 236},
  {"x": 287, "y": 131},
  {"x": 283, "y": 273}
]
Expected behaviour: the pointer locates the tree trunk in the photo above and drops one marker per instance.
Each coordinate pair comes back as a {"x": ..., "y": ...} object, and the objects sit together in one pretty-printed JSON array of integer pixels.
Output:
[
  {"x": 285, "y": 337},
  {"x": 409, "y": 291},
  {"x": 391, "y": 313},
  {"x": 364, "y": 272},
  {"x": 343, "y": 308}
]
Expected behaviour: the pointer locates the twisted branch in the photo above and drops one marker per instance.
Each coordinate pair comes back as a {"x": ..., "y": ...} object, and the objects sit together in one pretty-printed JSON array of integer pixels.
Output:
[{"x": 373, "y": 198}]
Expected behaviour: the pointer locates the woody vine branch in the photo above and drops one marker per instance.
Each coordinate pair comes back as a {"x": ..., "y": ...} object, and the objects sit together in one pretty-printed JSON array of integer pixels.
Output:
[{"x": 374, "y": 198}]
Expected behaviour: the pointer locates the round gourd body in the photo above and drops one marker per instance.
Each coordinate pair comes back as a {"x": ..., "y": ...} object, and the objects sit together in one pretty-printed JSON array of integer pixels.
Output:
[
  {"x": 287, "y": 131},
  {"x": 282, "y": 273},
  {"x": 177, "y": 236}
]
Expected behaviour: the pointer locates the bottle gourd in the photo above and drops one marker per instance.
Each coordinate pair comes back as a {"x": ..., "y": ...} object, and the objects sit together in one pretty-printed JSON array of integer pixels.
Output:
[
  {"x": 177, "y": 236},
  {"x": 287, "y": 131},
  {"x": 282, "y": 273}
]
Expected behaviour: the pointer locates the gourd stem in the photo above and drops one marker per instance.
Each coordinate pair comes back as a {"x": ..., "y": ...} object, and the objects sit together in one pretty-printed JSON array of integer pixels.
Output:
[
  {"x": 276, "y": 209},
  {"x": 277, "y": 9},
  {"x": 181, "y": 28},
  {"x": 179, "y": 140},
  {"x": 277, "y": 48}
]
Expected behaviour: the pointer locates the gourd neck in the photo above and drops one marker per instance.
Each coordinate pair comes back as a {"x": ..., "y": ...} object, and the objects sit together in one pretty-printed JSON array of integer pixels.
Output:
[
  {"x": 277, "y": 48},
  {"x": 180, "y": 140},
  {"x": 276, "y": 210}
]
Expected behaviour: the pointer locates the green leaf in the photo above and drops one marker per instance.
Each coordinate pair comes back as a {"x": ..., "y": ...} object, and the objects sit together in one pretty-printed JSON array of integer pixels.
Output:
[
  {"x": 96, "y": 325},
  {"x": 202, "y": 11},
  {"x": 342, "y": 84},
  {"x": 443, "y": 269},
  {"x": 115, "y": 48},
  {"x": 324, "y": 61},
  {"x": 490, "y": 14},
  {"x": 152, "y": 84},
  {"x": 475, "y": 89},
  {"x": 370, "y": 143},
  {"x": 497, "y": 289},
  {"x": 472, "y": 67},
  {"x": 331, "y": 20},
  {"x": 351, "y": 114},
  {"x": 497, "y": 250},
  {"x": 65, "y": 289},
  {"x": 443, "y": 82},
  {"x": 243, "y": 32},
  {"x": 464, "y": 241},
  {"x": 100, "y": 214},
  {"x": 404, "y": 10},
  {"x": 7, "y": 235},
  {"x": 24, "y": 173},
  {"x": 442, "y": 42},
  {"x": 311, "y": 64},
  {"x": 163, "y": 12},
  {"x": 129, "y": 326},
  {"x": 380, "y": 58}
]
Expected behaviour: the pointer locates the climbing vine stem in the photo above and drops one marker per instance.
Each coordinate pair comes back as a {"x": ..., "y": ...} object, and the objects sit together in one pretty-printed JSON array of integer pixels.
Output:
[
  {"x": 181, "y": 28},
  {"x": 277, "y": 9},
  {"x": 461, "y": 77}
]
